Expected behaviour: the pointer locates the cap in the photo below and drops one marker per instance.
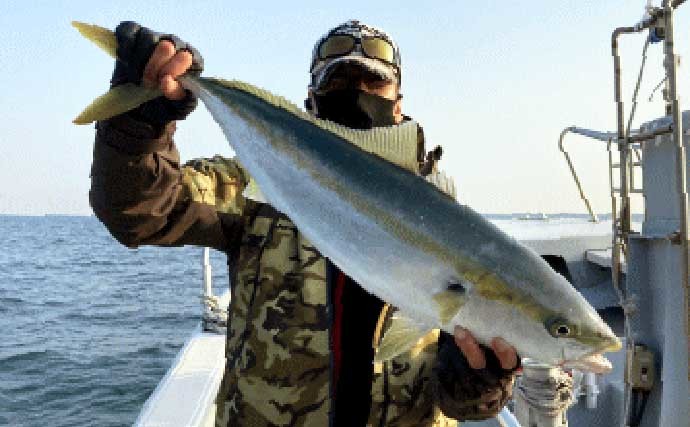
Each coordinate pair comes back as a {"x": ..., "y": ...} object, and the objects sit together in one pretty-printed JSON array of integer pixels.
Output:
[{"x": 322, "y": 69}]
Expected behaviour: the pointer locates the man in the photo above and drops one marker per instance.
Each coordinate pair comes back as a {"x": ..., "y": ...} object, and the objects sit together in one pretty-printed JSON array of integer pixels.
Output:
[{"x": 301, "y": 334}]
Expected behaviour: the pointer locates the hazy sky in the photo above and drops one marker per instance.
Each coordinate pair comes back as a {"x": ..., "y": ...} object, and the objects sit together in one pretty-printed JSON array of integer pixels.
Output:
[{"x": 494, "y": 82}]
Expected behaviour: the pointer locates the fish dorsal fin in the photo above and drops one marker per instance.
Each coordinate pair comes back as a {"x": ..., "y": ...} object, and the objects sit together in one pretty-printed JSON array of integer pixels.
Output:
[
  {"x": 443, "y": 182},
  {"x": 397, "y": 144},
  {"x": 401, "y": 336}
]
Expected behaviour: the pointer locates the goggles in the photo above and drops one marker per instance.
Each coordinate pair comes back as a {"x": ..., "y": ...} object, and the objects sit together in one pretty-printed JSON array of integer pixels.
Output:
[{"x": 370, "y": 46}]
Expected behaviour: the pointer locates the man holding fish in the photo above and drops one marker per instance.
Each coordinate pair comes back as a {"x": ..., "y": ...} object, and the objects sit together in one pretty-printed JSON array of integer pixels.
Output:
[{"x": 302, "y": 335}]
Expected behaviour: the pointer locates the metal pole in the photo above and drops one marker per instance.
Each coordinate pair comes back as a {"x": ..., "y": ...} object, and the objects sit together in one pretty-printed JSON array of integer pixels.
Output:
[
  {"x": 592, "y": 215},
  {"x": 206, "y": 265},
  {"x": 593, "y": 134},
  {"x": 641, "y": 137},
  {"x": 671, "y": 64},
  {"x": 620, "y": 215},
  {"x": 624, "y": 216},
  {"x": 206, "y": 284}
]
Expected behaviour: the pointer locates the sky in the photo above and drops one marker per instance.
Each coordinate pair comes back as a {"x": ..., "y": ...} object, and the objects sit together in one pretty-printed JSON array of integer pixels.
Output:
[{"x": 494, "y": 82}]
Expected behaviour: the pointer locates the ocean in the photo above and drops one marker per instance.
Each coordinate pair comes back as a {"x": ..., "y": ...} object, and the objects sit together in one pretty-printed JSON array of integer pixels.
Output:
[{"x": 87, "y": 326}]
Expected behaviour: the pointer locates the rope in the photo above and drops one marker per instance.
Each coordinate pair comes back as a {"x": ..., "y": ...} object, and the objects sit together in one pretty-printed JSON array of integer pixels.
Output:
[
  {"x": 214, "y": 318},
  {"x": 550, "y": 396}
]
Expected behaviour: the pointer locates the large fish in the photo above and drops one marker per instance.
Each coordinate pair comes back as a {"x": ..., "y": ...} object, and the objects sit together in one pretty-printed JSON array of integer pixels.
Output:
[{"x": 440, "y": 263}]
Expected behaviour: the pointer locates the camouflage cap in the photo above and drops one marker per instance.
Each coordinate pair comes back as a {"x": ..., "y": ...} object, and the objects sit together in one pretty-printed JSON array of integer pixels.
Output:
[{"x": 322, "y": 69}]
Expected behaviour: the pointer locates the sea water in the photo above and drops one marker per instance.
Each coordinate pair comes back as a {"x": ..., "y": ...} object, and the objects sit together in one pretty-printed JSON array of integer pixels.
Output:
[{"x": 87, "y": 326}]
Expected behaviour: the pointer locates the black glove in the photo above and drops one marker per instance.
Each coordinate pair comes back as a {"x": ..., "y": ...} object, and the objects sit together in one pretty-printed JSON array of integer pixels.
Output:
[
  {"x": 464, "y": 393},
  {"x": 135, "y": 44}
]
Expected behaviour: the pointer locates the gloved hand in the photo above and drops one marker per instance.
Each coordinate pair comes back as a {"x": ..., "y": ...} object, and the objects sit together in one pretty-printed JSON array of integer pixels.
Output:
[
  {"x": 136, "y": 44},
  {"x": 464, "y": 393}
]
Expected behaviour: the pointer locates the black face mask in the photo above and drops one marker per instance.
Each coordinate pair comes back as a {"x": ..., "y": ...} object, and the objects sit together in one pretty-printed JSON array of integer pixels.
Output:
[{"x": 355, "y": 108}]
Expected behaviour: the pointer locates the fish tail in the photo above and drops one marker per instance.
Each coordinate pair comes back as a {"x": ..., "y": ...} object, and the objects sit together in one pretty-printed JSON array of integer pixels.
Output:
[
  {"x": 119, "y": 99},
  {"x": 101, "y": 37}
]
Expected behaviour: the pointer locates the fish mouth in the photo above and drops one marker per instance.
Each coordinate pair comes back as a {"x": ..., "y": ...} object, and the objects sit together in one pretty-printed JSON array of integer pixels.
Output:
[
  {"x": 601, "y": 343},
  {"x": 598, "y": 361},
  {"x": 595, "y": 363},
  {"x": 612, "y": 347}
]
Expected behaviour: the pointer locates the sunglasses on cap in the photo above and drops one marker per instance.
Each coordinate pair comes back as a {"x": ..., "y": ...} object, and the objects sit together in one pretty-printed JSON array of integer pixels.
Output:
[{"x": 371, "y": 46}]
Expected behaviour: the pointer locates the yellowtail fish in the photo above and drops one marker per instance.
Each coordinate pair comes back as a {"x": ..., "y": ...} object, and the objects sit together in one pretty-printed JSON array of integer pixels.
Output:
[{"x": 355, "y": 195}]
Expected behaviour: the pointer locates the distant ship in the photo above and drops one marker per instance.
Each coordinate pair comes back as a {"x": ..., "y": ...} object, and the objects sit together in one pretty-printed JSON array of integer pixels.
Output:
[{"x": 534, "y": 217}]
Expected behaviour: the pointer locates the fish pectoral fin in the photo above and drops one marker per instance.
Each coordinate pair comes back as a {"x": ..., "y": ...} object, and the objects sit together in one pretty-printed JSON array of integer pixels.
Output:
[
  {"x": 449, "y": 302},
  {"x": 253, "y": 192},
  {"x": 401, "y": 336},
  {"x": 117, "y": 100}
]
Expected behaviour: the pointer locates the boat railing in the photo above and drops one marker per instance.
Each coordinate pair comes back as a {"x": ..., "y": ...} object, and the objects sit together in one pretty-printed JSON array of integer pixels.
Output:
[
  {"x": 600, "y": 136},
  {"x": 214, "y": 316}
]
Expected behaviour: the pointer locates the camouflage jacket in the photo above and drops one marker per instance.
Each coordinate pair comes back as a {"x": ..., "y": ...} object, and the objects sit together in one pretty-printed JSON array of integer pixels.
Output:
[{"x": 278, "y": 350}]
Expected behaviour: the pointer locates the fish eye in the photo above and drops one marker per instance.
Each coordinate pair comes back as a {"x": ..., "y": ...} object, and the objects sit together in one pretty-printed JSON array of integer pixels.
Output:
[{"x": 560, "y": 328}]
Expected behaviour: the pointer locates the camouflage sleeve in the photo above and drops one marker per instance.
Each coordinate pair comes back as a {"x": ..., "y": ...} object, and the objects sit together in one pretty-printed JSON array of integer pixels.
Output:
[
  {"x": 464, "y": 393},
  {"x": 144, "y": 196}
]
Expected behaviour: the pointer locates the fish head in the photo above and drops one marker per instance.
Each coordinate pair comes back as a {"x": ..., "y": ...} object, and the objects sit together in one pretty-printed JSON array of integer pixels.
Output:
[
  {"x": 550, "y": 322},
  {"x": 568, "y": 342},
  {"x": 580, "y": 337}
]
